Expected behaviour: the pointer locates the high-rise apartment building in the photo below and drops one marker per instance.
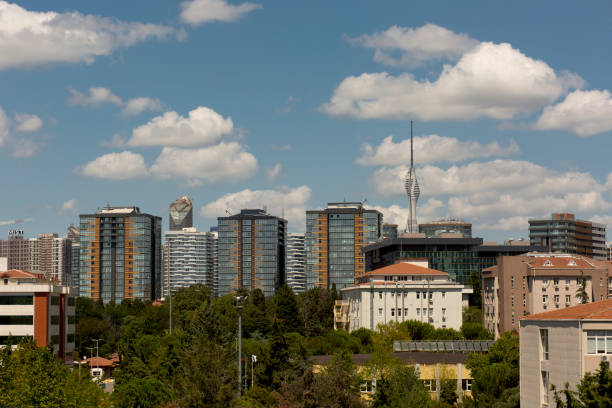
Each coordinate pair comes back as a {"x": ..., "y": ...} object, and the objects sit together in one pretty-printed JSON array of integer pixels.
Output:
[
  {"x": 565, "y": 234},
  {"x": 120, "y": 255},
  {"x": 51, "y": 256},
  {"x": 17, "y": 250},
  {"x": 251, "y": 252},
  {"x": 294, "y": 262},
  {"x": 449, "y": 226},
  {"x": 181, "y": 214},
  {"x": 189, "y": 258},
  {"x": 72, "y": 233},
  {"x": 389, "y": 231},
  {"x": 333, "y": 242}
]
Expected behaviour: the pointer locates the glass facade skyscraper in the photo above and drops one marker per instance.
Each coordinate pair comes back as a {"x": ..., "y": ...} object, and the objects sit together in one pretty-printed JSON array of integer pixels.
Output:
[
  {"x": 251, "y": 252},
  {"x": 333, "y": 242},
  {"x": 120, "y": 255}
]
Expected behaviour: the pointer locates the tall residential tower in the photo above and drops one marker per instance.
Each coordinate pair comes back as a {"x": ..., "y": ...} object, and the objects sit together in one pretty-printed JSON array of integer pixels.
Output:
[
  {"x": 181, "y": 214},
  {"x": 294, "y": 262}
]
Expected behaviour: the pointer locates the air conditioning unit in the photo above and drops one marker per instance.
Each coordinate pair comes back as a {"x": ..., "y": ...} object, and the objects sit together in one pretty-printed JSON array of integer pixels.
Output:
[{"x": 605, "y": 358}]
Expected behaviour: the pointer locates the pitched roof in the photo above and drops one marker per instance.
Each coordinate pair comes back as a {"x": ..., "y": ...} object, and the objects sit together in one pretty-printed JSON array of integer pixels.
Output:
[
  {"x": 100, "y": 362},
  {"x": 404, "y": 268},
  {"x": 601, "y": 310},
  {"x": 16, "y": 273},
  {"x": 555, "y": 262}
]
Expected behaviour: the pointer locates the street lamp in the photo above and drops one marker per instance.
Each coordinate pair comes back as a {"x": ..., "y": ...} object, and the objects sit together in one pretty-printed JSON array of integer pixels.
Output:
[
  {"x": 97, "y": 355},
  {"x": 239, "y": 302}
]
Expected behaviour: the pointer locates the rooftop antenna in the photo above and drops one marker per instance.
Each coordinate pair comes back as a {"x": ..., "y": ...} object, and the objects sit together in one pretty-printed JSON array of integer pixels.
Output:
[
  {"x": 228, "y": 211},
  {"x": 411, "y": 148}
]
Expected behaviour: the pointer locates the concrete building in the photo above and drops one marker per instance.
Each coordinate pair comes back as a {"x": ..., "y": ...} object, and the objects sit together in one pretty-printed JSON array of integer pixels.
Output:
[
  {"x": 454, "y": 226},
  {"x": 16, "y": 249},
  {"x": 120, "y": 255},
  {"x": 189, "y": 258},
  {"x": 534, "y": 283},
  {"x": 334, "y": 241},
  {"x": 32, "y": 306},
  {"x": 455, "y": 255},
  {"x": 180, "y": 214},
  {"x": 51, "y": 256},
  {"x": 561, "y": 346},
  {"x": 251, "y": 252},
  {"x": 72, "y": 233},
  {"x": 405, "y": 291},
  {"x": 563, "y": 233},
  {"x": 294, "y": 262}
]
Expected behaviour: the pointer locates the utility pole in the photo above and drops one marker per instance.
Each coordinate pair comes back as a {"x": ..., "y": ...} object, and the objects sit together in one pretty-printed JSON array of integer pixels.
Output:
[
  {"x": 97, "y": 355},
  {"x": 239, "y": 303}
]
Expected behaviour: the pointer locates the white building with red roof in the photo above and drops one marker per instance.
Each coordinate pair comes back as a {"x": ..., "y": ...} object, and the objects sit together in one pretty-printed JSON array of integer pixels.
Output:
[
  {"x": 561, "y": 346},
  {"x": 399, "y": 292}
]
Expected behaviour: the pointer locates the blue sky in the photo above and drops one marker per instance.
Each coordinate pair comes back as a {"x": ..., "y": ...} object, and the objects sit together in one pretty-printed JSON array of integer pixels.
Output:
[{"x": 292, "y": 104}]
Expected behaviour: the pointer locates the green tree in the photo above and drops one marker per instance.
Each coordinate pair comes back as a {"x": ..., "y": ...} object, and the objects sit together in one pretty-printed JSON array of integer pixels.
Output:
[
  {"x": 475, "y": 331},
  {"x": 594, "y": 390},
  {"x": 286, "y": 309},
  {"x": 581, "y": 293},
  {"x": 475, "y": 298},
  {"x": 316, "y": 311},
  {"x": 336, "y": 385}
]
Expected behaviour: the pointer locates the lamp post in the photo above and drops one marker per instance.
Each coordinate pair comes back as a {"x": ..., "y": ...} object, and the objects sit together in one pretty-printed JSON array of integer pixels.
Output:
[
  {"x": 239, "y": 303},
  {"x": 97, "y": 355}
]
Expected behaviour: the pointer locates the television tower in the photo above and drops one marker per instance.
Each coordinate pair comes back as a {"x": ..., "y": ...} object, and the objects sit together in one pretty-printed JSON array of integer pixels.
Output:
[{"x": 412, "y": 189}]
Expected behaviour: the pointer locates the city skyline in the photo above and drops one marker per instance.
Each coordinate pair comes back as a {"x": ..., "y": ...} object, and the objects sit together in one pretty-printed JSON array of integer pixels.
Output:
[{"x": 233, "y": 115}]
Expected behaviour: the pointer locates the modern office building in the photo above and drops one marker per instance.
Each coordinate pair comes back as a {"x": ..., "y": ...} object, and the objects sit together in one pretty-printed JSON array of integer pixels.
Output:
[
  {"x": 120, "y": 255},
  {"x": 559, "y": 347},
  {"x": 33, "y": 306},
  {"x": 251, "y": 252},
  {"x": 181, "y": 214},
  {"x": 389, "y": 231},
  {"x": 449, "y": 226},
  {"x": 16, "y": 249},
  {"x": 189, "y": 258},
  {"x": 405, "y": 291},
  {"x": 455, "y": 255},
  {"x": 564, "y": 233},
  {"x": 333, "y": 242},
  {"x": 51, "y": 256},
  {"x": 534, "y": 283},
  {"x": 295, "y": 262},
  {"x": 72, "y": 233}
]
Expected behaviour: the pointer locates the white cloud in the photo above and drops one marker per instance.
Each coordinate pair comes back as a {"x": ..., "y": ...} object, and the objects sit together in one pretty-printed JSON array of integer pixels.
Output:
[
  {"x": 416, "y": 45},
  {"x": 136, "y": 106},
  {"x": 585, "y": 113},
  {"x": 202, "y": 127},
  {"x": 492, "y": 81},
  {"x": 291, "y": 202},
  {"x": 432, "y": 209},
  {"x": 273, "y": 173},
  {"x": 4, "y": 127},
  {"x": 116, "y": 141},
  {"x": 97, "y": 96},
  {"x": 116, "y": 166},
  {"x": 32, "y": 38},
  {"x": 221, "y": 162},
  {"x": 69, "y": 207},
  {"x": 196, "y": 12},
  {"x": 431, "y": 149},
  {"x": 24, "y": 148},
  {"x": 27, "y": 122},
  {"x": 11, "y": 222}
]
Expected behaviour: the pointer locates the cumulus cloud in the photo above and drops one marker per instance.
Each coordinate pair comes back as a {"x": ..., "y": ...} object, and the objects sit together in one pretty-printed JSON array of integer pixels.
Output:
[
  {"x": 69, "y": 205},
  {"x": 97, "y": 96},
  {"x": 291, "y": 202},
  {"x": 489, "y": 81},
  {"x": 136, "y": 106},
  {"x": 203, "y": 126},
  {"x": 196, "y": 12},
  {"x": 414, "y": 46},
  {"x": 27, "y": 122},
  {"x": 585, "y": 113},
  {"x": 431, "y": 149},
  {"x": 24, "y": 148},
  {"x": 116, "y": 166},
  {"x": 222, "y": 162},
  {"x": 432, "y": 209},
  {"x": 273, "y": 173},
  {"x": 32, "y": 38}
]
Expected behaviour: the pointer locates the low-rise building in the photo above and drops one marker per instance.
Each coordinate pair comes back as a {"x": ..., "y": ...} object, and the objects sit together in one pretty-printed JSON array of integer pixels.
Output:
[
  {"x": 561, "y": 346},
  {"x": 528, "y": 284},
  {"x": 404, "y": 291},
  {"x": 32, "y": 306}
]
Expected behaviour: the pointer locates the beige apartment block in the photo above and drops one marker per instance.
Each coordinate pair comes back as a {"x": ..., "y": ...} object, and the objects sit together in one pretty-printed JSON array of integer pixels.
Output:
[
  {"x": 535, "y": 283},
  {"x": 561, "y": 346}
]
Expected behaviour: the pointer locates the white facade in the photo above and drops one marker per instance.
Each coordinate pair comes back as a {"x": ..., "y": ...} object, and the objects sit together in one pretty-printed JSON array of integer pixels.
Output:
[
  {"x": 51, "y": 256},
  {"x": 294, "y": 262},
  {"x": 402, "y": 292},
  {"x": 189, "y": 258}
]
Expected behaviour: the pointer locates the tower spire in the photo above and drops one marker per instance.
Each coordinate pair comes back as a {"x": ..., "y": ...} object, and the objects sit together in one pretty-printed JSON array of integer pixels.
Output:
[
  {"x": 411, "y": 147},
  {"x": 412, "y": 190}
]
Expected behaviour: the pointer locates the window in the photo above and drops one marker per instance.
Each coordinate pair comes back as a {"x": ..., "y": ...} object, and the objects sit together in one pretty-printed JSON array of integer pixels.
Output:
[
  {"x": 399, "y": 311},
  {"x": 418, "y": 311},
  {"x": 556, "y": 281},
  {"x": 600, "y": 281},
  {"x": 54, "y": 320},
  {"x": 443, "y": 295},
  {"x": 380, "y": 295},
  {"x": 55, "y": 339},
  {"x": 418, "y": 295},
  {"x": 431, "y": 295},
  {"x": 16, "y": 320},
  {"x": 443, "y": 311},
  {"x": 568, "y": 298},
  {"x": 513, "y": 282},
  {"x": 380, "y": 311},
  {"x": 544, "y": 343},
  {"x": 512, "y": 300},
  {"x": 567, "y": 282},
  {"x": 16, "y": 300},
  {"x": 55, "y": 300},
  {"x": 545, "y": 386},
  {"x": 366, "y": 387},
  {"x": 524, "y": 300},
  {"x": 599, "y": 341},
  {"x": 71, "y": 319},
  {"x": 524, "y": 282},
  {"x": 405, "y": 311},
  {"x": 544, "y": 282},
  {"x": 71, "y": 301},
  {"x": 466, "y": 385},
  {"x": 544, "y": 298},
  {"x": 556, "y": 298},
  {"x": 430, "y": 385},
  {"x": 392, "y": 311},
  {"x": 70, "y": 338}
]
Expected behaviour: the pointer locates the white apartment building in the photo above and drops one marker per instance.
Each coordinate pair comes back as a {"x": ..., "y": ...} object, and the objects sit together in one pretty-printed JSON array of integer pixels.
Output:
[
  {"x": 51, "y": 256},
  {"x": 33, "y": 306},
  {"x": 405, "y": 291},
  {"x": 561, "y": 346},
  {"x": 294, "y": 262},
  {"x": 189, "y": 258}
]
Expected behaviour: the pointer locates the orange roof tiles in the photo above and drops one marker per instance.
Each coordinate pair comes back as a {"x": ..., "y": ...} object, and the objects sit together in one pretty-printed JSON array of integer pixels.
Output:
[
  {"x": 15, "y": 273},
  {"x": 101, "y": 362},
  {"x": 560, "y": 262},
  {"x": 404, "y": 268},
  {"x": 601, "y": 310}
]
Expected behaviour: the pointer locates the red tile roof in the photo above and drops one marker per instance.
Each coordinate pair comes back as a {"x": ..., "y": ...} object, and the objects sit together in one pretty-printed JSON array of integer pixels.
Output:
[
  {"x": 601, "y": 310},
  {"x": 15, "y": 273},
  {"x": 100, "y": 362},
  {"x": 404, "y": 268},
  {"x": 561, "y": 262}
]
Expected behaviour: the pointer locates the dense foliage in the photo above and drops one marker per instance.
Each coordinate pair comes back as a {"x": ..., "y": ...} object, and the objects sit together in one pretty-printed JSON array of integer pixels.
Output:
[{"x": 594, "y": 390}]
